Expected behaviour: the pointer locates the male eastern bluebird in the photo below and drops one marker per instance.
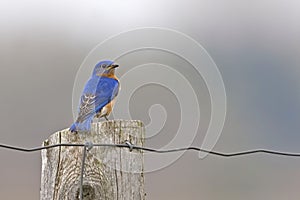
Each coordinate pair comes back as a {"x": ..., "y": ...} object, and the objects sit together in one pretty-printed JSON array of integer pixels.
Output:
[{"x": 98, "y": 96}]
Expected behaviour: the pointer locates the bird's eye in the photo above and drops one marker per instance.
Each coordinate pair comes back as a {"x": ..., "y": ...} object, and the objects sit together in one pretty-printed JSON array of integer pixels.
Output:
[{"x": 103, "y": 65}]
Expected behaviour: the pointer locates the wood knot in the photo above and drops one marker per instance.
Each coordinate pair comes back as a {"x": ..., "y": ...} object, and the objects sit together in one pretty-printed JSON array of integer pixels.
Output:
[{"x": 88, "y": 193}]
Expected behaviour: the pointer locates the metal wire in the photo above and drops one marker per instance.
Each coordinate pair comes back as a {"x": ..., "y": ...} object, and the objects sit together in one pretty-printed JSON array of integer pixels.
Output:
[
  {"x": 131, "y": 147},
  {"x": 89, "y": 145},
  {"x": 82, "y": 172}
]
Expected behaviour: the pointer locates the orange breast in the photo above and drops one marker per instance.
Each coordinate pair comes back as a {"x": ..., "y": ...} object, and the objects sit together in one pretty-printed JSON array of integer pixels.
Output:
[{"x": 106, "y": 110}]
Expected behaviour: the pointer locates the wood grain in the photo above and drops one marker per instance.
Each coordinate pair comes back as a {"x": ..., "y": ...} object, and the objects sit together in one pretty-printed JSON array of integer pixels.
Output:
[{"x": 110, "y": 173}]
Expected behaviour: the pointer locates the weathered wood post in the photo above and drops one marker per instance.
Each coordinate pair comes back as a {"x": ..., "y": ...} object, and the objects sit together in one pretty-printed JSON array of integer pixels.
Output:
[{"x": 110, "y": 173}]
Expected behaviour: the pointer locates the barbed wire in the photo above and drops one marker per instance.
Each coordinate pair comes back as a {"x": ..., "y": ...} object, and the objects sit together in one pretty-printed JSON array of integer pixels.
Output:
[{"x": 89, "y": 145}]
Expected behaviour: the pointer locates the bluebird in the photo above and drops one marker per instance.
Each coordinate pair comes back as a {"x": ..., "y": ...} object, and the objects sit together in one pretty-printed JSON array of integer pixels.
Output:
[{"x": 98, "y": 96}]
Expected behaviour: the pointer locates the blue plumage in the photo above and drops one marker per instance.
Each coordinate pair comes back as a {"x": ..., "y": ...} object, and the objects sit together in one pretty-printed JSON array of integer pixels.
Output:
[{"x": 98, "y": 92}]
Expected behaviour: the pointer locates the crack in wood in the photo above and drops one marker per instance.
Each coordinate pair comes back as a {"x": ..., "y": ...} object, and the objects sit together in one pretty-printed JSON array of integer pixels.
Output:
[{"x": 110, "y": 173}]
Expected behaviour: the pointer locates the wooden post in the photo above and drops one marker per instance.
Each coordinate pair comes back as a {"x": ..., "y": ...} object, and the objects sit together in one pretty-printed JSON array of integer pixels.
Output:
[{"x": 110, "y": 173}]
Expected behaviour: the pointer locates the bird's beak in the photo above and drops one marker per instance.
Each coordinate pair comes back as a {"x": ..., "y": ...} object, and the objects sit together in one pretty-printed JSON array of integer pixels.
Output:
[{"x": 115, "y": 65}]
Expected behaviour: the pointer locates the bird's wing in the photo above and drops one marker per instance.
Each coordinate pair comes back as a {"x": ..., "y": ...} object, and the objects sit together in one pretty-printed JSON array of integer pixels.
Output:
[
  {"x": 86, "y": 107},
  {"x": 95, "y": 96},
  {"x": 107, "y": 90}
]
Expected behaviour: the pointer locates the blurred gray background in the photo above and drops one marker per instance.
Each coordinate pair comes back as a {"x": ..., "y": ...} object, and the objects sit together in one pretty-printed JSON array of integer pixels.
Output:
[{"x": 255, "y": 44}]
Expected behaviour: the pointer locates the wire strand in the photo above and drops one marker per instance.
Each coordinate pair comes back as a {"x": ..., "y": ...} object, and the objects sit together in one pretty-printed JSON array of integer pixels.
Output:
[
  {"x": 82, "y": 172},
  {"x": 89, "y": 145},
  {"x": 131, "y": 146}
]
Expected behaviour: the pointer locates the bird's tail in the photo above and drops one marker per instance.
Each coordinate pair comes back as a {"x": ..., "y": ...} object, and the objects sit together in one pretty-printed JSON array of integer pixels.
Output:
[{"x": 81, "y": 126}]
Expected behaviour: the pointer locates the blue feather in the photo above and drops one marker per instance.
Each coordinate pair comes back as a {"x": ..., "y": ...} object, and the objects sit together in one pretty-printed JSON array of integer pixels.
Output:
[
  {"x": 98, "y": 92},
  {"x": 84, "y": 126}
]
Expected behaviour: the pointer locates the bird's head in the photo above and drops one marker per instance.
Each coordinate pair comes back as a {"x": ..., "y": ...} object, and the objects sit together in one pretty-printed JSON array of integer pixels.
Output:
[{"x": 105, "y": 68}]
